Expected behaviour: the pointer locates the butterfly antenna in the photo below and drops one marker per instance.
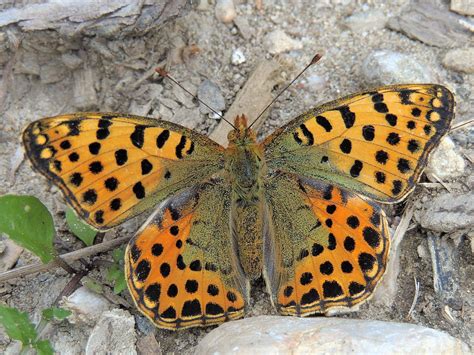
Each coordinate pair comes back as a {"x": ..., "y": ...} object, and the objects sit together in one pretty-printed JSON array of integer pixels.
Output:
[
  {"x": 315, "y": 59},
  {"x": 165, "y": 74}
]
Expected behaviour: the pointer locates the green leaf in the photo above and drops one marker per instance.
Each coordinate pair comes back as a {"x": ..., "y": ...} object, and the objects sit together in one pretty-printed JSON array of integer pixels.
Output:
[
  {"x": 80, "y": 229},
  {"x": 118, "y": 254},
  {"x": 92, "y": 285},
  {"x": 43, "y": 347},
  {"x": 120, "y": 283},
  {"x": 113, "y": 272},
  {"x": 28, "y": 222},
  {"x": 17, "y": 325},
  {"x": 55, "y": 313}
]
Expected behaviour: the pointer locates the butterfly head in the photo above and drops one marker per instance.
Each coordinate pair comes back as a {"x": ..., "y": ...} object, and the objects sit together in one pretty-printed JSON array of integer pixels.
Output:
[{"x": 241, "y": 135}]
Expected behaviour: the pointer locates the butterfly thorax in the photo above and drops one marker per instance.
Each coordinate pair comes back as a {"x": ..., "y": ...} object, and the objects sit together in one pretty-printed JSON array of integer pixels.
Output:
[{"x": 245, "y": 167}]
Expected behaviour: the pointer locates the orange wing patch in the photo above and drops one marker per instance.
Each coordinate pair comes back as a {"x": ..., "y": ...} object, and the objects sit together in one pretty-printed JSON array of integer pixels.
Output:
[
  {"x": 330, "y": 253},
  {"x": 177, "y": 283},
  {"x": 375, "y": 143},
  {"x": 107, "y": 165}
]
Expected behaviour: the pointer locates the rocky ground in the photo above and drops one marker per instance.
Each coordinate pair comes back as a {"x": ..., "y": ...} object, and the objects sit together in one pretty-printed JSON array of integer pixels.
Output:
[{"x": 76, "y": 62}]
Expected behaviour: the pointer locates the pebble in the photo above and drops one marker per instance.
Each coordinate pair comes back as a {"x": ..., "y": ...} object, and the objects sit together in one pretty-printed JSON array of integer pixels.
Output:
[
  {"x": 210, "y": 93},
  {"x": 86, "y": 306},
  {"x": 10, "y": 255},
  {"x": 225, "y": 11},
  {"x": 447, "y": 213},
  {"x": 366, "y": 21},
  {"x": 244, "y": 27},
  {"x": 113, "y": 334},
  {"x": 182, "y": 96},
  {"x": 278, "y": 42},
  {"x": 426, "y": 22},
  {"x": 384, "y": 67},
  {"x": 170, "y": 103},
  {"x": 464, "y": 7},
  {"x": 460, "y": 59},
  {"x": 238, "y": 57},
  {"x": 186, "y": 117},
  {"x": 291, "y": 335},
  {"x": 28, "y": 64},
  {"x": 423, "y": 253},
  {"x": 71, "y": 61},
  {"x": 52, "y": 72},
  {"x": 165, "y": 113},
  {"x": 445, "y": 162}
]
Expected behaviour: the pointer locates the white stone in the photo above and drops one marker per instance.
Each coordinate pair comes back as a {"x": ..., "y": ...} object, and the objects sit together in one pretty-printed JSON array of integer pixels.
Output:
[
  {"x": 113, "y": 334},
  {"x": 278, "y": 42},
  {"x": 86, "y": 306},
  {"x": 445, "y": 162},
  {"x": 366, "y": 21},
  {"x": 225, "y": 11},
  {"x": 447, "y": 213},
  {"x": 388, "y": 67},
  {"x": 238, "y": 57},
  {"x": 186, "y": 117},
  {"x": 291, "y": 335},
  {"x": 465, "y": 7},
  {"x": 211, "y": 94},
  {"x": 460, "y": 59}
]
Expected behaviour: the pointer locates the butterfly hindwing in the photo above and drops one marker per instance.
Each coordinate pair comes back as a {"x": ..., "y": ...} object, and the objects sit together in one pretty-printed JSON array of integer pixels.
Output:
[
  {"x": 181, "y": 269},
  {"x": 326, "y": 247},
  {"x": 111, "y": 167},
  {"x": 375, "y": 143}
]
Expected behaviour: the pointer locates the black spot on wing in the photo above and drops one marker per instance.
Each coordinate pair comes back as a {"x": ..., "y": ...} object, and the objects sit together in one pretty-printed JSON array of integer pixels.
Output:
[
  {"x": 138, "y": 136},
  {"x": 347, "y": 115}
]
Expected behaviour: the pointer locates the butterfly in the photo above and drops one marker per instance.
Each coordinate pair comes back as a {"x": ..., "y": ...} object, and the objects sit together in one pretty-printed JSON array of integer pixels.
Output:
[{"x": 298, "y": 208}]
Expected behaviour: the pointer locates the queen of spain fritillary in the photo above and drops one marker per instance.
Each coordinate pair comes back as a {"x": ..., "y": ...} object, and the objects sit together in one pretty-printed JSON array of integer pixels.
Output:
[{"x": 297, "y": 208}]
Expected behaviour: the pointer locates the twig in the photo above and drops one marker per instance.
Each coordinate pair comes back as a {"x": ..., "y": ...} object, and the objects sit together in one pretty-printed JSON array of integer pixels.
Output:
[
  {"x": 402, "y": 226},
  {"x": 462, "y": 125},
  {"x": 434, "y": 185},
  {"x": 441, "y": 182},
  {"x": 415, "y": 298},
  {"x": 69, "y": 257},
  {"x": 468, "y": 157}
]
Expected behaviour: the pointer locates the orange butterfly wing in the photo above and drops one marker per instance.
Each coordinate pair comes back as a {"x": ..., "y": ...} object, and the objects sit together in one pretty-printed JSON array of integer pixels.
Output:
[
  {"x": 328, "y": 247},
  {"x": 181, "y": 269},
  {"x": 376, "y": 143},
  {"x": 112, "y": 167}
]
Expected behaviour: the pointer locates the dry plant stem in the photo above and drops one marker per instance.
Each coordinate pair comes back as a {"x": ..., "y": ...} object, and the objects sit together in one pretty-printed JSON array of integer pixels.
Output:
[
  {"x": 442, "y": 183},
  {"x": 61, "y": 263},
  {"x": 68, "y": 257},
  {"x": 415, "y": 298},
  {"x": 387, "y": 288},
  {"x": 462, "y": 125}
]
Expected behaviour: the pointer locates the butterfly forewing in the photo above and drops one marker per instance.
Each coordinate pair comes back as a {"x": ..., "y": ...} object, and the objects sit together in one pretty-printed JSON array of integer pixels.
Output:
[
  {"x": 111, "y": 167},
  {"x": 375, "y": 143},
  {"x": 182, "y": 269}
]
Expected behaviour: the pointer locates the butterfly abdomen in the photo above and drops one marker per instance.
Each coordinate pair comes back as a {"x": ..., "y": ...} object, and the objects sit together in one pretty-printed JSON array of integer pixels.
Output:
[{"x": 245, "y": 167}]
